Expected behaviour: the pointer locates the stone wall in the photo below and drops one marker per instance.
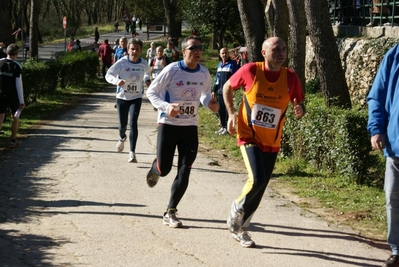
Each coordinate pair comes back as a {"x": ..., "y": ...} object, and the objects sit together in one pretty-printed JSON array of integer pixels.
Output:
[{"x": 360, "y": 57}]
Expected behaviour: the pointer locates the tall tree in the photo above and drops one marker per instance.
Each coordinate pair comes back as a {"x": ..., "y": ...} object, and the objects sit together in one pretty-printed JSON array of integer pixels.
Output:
[
  {"x": 174, "y": 26},
  {"x": 5, "y": 22},
  {"x": 279, "y": 27},
  {"x": 297, "y": 44},
  {"x": 205, "y": 16},
  {"x": 253, "y": 24},
  {"x": 34, "y": 28},
  {"x": 329, "y": 67}
]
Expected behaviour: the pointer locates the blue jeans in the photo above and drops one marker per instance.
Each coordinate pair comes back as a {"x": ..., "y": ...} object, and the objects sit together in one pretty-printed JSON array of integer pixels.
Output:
[{"x": 391, "y": 188}]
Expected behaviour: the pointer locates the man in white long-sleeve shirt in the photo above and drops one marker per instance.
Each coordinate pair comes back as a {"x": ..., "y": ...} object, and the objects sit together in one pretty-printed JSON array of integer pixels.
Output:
[
  {"x": 177, "y": 93},
  {"x": 11, "y": 90}
]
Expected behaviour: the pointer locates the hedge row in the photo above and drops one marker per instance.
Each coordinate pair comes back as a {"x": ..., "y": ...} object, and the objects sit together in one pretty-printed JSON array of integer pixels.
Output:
[
  {"x": 69, "y": 69},
  {"x": 332, "y": 140}
]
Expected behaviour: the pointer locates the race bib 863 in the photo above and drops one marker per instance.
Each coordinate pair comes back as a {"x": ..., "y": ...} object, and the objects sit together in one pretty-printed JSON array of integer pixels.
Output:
[{"x": 264, "y": 116}]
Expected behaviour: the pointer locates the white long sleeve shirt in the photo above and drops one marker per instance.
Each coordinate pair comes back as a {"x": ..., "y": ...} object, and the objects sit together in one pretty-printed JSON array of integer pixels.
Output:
[
  {"x": 135, "y": 74},
  {"x": 178, "y": 84}
]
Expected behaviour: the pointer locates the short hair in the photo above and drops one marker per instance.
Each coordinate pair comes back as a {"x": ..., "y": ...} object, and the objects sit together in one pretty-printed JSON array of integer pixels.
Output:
[
  {"x": 185, "y": 40},
  {"x": 135, "y": 41},
  {"x": 12, "y": 49},
  {"x": 106, "y": 41}
]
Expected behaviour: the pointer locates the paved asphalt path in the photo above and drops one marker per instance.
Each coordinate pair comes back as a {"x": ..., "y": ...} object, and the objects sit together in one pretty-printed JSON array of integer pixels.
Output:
[{"x": 67, "y": 198}]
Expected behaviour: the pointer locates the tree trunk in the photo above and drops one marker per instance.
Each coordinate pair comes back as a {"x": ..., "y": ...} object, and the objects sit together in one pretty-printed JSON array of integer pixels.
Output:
[
  {"x": 297, "y": 46},
  {"x": 5, "y": 23},
  {"x": 215, "y": 42},
  {"x": 174, "y": 26},
  {"x": 281, "y": 19},
  {"x": 329, "y": 68},
  {"x": 269, "y": 13},
  {"x": 34, "y": 29},
  {"x": 253, "y": 24},
  {"x": 110, "y": 9}
]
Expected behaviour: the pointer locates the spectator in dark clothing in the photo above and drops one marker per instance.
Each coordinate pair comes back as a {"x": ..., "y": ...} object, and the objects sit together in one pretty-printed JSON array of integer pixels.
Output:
[
  {"x": 76, "y": 47},
  {"x": 12, "y": 92},
  {"x": 96, "y": 35},
  {"x": 116, "y": 26},
  {"x": 140, "y": 23},
  {"x": 225, "y": 69},
  {"x": 345, "y": 11},
  {"x": 2, "y": 52}
]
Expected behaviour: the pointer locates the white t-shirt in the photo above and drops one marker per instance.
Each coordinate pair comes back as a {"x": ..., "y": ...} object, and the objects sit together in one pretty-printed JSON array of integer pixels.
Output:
[
  {"x": 134, "y": 73},
  {"x": 178, "y": 84}
]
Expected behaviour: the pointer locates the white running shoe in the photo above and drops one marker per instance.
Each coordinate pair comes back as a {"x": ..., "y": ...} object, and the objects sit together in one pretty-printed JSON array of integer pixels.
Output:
[
  {"x": 234, "y": 221},
  {"x": 170, "y": 219},
  {"x": 219, "y": 131},
  {"x": 120, "y": 145},
  {"x": 244, "y": 238},
  {"x": 223, "y": 131},
  {"x": 132, "y": 157}
]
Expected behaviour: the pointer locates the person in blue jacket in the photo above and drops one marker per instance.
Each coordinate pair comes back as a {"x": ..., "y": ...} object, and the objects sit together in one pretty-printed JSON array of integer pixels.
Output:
[
  {"x": 225, "y": 69},
  {"x": 383, "y": 126}
]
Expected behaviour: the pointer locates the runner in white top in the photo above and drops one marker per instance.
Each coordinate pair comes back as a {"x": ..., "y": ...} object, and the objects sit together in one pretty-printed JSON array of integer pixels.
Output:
[
  {"x": 183, "y": 87},
  {"x": 130, "y": 73},
  {"x": 158, "y": 63},
  {"x": 177, "y": 93}
]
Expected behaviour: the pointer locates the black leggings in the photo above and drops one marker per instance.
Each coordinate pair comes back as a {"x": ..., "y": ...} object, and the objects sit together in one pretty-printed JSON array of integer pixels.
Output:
[
  {"x": 129, "y": 108},
  {"x": 260, "y": 166},
  {"x": 185, "y": 138}
]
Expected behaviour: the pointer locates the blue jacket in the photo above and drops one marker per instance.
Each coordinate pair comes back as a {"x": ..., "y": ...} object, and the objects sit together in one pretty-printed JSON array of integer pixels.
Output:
[
  {"x": 223, "y": 73},
  {"x": 383, "y": 102},
  {"x": 119, "y": 53}
]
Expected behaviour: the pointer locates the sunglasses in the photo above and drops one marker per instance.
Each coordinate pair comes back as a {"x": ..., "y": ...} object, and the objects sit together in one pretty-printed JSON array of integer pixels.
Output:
[{"x": 193, "y": 47}]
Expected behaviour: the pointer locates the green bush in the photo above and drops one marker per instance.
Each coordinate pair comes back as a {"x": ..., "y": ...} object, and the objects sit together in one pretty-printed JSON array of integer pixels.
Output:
[
  {"x": 69, "y": 69},
  {"x": 77, "y": 68},
  {"x": 39, "y": 78},
  {"x": 331, "y": 139},
  {"x": 313, "y": 86}
]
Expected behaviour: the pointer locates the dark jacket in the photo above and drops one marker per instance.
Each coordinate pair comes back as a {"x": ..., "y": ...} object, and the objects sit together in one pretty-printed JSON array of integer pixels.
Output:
[{"x": 223, "y": 73}]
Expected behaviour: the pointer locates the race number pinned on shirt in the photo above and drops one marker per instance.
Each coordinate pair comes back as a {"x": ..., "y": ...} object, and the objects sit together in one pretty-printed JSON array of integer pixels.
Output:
[
  {"x": 188, "y": 109},
  {"x": 133, "y": 87},
  {"x": 265, "y": 117}
]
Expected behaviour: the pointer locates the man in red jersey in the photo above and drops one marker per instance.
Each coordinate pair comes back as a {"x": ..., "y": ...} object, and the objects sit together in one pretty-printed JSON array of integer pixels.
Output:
[{"x": 269, "y": 87}]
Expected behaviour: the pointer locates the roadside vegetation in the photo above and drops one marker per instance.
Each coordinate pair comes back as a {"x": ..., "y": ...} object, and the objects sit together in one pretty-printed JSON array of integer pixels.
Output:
[{"x": 351, "y": 197}]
